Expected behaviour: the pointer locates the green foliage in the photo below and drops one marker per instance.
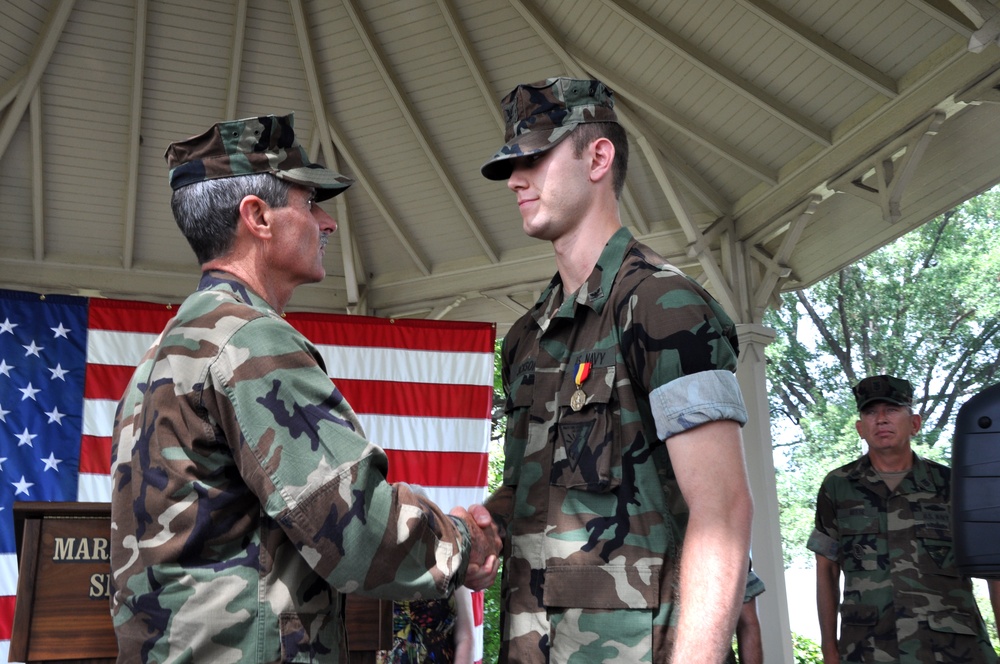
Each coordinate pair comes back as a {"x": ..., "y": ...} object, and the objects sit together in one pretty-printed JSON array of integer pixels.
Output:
[
  {"x": 491, "y": 598},
  {"x": 805, "y": 650},
  {"x": 491, "y": 622},
  {"x": 925, "y": 308}
]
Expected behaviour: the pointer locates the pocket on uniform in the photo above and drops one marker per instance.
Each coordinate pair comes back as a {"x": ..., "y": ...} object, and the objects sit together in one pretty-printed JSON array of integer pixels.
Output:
[
  {"x": 953, "y": 622},
  {"x": 605, "y": 587},
  {"x": 587, "y": 450},
  {"x": 856, "y": 624},
  {"x": 933, "y": 530},
  {"x": 859, "y": 540}
]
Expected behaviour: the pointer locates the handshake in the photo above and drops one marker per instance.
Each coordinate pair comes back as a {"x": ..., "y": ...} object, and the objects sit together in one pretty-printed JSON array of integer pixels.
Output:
[{"x": 484, "y": 556}]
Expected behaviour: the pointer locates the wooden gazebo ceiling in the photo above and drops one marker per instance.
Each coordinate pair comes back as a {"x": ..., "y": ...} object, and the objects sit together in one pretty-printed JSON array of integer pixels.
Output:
[{"x": 773, "y": 141}]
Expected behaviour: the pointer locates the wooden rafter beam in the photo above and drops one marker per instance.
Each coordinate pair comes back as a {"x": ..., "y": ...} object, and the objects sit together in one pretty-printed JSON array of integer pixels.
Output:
[
  {"x": 420, "y": 132},
  {"x": 40, "y": 56},
  {"x": 471, "y": 59},
  {"x": 719, "y": 71},
  {"x": 702, "y": 190},
  {"x": 134, "y": 133},
  {"x": 236, "y": 58},
  {"x": 823, "y": 47},
  {"x": 882, "y": 177}
]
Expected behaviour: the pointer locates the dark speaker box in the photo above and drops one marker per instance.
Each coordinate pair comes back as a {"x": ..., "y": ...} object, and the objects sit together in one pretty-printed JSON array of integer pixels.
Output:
[{"x": 975, "y": 484}]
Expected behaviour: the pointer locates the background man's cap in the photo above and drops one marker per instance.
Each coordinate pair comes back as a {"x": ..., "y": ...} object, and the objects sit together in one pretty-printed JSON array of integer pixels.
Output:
[
  {"x": 883, "y": 388},
  {"x": 264, "y": 144},
  {"x": 539, "y": 115}
]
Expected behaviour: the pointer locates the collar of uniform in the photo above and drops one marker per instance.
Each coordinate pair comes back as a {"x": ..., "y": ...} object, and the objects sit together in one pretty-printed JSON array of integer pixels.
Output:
[
  {"x": 595, "y": 290},
  {"x": 219, "y": 280},
  {"x": 921, "y": 474}
]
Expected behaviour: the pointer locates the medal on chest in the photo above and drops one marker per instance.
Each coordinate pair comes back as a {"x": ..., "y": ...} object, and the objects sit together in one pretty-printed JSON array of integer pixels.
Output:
[{"x": 579, "y": 397}]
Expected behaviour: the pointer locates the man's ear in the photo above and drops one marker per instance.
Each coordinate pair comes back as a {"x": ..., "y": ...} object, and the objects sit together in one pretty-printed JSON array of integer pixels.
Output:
[
  {"x": 254, "y": 218},
  {"x": 602, "y": 154}
]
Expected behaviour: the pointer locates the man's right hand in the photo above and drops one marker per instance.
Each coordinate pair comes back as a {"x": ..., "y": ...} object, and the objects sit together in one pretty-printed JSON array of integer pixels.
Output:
[{"x": 484, "y": 556}]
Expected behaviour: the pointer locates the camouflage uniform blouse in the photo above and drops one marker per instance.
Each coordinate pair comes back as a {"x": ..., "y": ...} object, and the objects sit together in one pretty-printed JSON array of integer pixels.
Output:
[
  {"x": 904, "y": 599},
  {"x": 246, "y": 498},
  {"x": 592, "y": 546}
]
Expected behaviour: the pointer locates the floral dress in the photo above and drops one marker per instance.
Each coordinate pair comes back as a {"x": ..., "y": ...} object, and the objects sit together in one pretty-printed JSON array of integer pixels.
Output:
[{"x": 423, "y": 631}]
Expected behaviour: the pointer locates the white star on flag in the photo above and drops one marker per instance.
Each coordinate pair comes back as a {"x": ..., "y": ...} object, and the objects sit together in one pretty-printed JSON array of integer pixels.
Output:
[
  {"x": 52, "y": 462},
  {"x": 29, "y": 392},
  {"x": 25, "y": 438},
  {"x": 61, "y": 331},
  {"x": 33, "y": 349},
  {"x": 22, "y": 486},
  {"x": 55, "y": 416}
]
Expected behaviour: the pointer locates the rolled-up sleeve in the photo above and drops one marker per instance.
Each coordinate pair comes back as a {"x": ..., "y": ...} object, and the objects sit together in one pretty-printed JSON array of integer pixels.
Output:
[{"x": 693, "y": 400}]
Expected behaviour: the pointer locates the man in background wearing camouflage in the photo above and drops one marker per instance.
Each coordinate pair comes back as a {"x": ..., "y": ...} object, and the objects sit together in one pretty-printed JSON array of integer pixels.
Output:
[
  {"x": 245, "y": 498},
  {"x": 622, "y": 405},
  {"x": 885, "y": 521}
]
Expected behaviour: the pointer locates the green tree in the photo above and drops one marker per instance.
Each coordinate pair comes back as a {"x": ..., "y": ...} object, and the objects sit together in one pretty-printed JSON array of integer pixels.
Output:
[{"x": 925, "y": 307}]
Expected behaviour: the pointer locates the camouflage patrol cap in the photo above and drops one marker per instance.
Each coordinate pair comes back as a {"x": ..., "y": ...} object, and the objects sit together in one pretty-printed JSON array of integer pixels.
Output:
[
  {"x": 264, "y": 144},
  {"x": 540, "y": 115},
  {"x": 883, "y": 388}
]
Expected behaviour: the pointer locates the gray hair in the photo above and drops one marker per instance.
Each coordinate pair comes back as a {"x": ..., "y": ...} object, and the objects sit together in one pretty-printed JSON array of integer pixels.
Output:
[{"x": 207, "y": 212}]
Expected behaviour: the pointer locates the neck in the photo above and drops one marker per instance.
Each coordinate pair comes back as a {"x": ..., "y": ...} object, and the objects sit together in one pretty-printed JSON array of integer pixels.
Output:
[
  {"x": 577, "y": 253},
  {"x": 891, "y": 462},
  {"x": 252, "y": 278}
]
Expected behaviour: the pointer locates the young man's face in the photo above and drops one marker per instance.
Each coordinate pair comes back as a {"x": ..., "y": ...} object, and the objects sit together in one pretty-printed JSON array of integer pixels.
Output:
[{"x": 552, "y": 191}]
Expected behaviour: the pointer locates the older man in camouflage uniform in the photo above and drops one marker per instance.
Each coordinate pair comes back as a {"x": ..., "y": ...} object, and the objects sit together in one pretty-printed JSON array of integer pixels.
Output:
[
  {"x": 885, "y": 521},
  {"x": 246, "y": 499},
  {"x": 625, "y": 489}
]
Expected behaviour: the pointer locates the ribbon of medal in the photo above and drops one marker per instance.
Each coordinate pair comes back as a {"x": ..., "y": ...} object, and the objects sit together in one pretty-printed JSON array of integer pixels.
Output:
[{"x": 579, "y": 397}]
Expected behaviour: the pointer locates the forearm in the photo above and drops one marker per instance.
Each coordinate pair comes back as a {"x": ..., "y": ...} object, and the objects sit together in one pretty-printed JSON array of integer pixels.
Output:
[
  {"x": 464, "y": 627},
  {"x": 827, "y": 606},
  {"x": 748, "y": 638},
  {"x": 712, "y": 580},
  {"x": 713, "y": 565}
]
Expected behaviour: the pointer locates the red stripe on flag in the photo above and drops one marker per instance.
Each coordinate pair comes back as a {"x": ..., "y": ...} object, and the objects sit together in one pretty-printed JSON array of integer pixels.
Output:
[
  {"x": 478, "y": 609},
  {"x": 411, "y": 334},
  {"x": 417, "y": 399},
  {"x": 127, "y": 316},
  {"x": 106, "y": 381},
  {"x": 438, "y": 468},
  {"x": 6, "y": 616},
  {"x": 95, "y": 455}
]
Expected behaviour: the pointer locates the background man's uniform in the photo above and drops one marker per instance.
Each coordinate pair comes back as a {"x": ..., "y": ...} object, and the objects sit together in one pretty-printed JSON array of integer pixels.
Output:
[{"x": 904, "y": 599}]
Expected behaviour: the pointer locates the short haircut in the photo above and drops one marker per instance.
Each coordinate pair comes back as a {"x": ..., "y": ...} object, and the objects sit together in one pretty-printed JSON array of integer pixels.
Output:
[
  {"x": 207, "y": 212},
  {"x": 588, "y": 132}
]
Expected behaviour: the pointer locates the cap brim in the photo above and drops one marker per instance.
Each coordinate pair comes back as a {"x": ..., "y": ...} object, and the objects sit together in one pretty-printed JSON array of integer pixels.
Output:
[
  {"x": 500, "y": 166},
  {"x": 327, "y": 183},
  {"x": 869, "y": 402}
]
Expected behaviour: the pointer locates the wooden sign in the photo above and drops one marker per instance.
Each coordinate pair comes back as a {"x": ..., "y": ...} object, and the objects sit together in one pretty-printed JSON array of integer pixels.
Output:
[
  {"x": 63, "y": 612},
  {"x": 63, "y": 609}
]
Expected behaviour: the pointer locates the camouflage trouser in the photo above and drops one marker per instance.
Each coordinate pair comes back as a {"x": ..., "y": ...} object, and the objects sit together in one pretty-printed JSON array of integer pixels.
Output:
[{"x": 589, "y": 635}]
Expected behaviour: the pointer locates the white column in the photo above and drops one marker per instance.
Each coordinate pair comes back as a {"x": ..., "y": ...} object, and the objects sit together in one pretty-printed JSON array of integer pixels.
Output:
[{"x": 766, "y": 532}]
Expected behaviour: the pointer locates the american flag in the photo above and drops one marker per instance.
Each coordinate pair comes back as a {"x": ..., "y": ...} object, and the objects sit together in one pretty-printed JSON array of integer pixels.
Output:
[{"x": 422, "y": 390}]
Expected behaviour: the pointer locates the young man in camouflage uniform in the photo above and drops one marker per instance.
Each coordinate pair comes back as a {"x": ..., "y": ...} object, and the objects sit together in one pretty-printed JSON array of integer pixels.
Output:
[
  {"x": 620, "y": 397},
  {"x": 884, "y": 520},
  {"x": 246, "y": 499}
]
